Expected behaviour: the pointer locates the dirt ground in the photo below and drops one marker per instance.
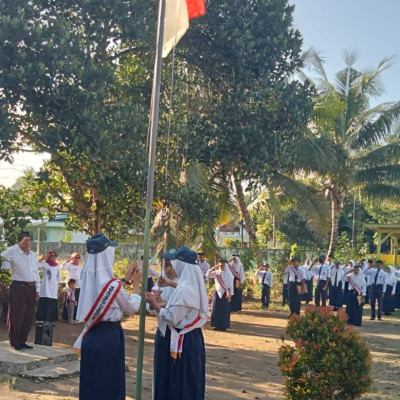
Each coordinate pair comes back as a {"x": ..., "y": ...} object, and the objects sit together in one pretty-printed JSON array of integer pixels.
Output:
[{"x": 241, "y": 363}]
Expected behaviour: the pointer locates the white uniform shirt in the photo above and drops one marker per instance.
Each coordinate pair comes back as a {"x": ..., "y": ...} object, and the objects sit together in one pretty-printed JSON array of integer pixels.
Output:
[
  {"x": 204, "y": 267},
  {"x": 73, "y": 272},
  {"x": 265, "y": 277},
  {"x": 24, "y": 267},
  {"x": 50, "y": 281},
  {"x": 124, "y": 303},
  {"x": 358, "y": 280},
  {"x": 292, "y": 275},
  {"x": 322, "y": 272},
  {"x": 336, "y": 276}
]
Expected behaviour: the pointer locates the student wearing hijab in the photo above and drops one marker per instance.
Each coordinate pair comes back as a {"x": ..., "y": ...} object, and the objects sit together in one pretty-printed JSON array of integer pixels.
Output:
[
  {"x": 163, "y": 288},
  {"x": 388, "y": 299},
  {"x": 237, "y": 271},
  {"x": 102, "y": 303},
  {"x": 74, "y": 269},
  {"x": 179, "y": 352},
  {"x": 220, "y": 315},
  {"x": 345, "y": 283},
  {"x": 47, "y": 307},
  {"x": 356, "y": 295}
]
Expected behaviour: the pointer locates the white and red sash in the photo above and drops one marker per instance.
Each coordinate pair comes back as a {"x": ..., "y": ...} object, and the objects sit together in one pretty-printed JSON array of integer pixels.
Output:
[
  {"x": 234, "y": 272},
  {"x": 99, "y": 308},
  {"x": 297, "y": 274},
  {"x": 176, "y": 342},
  {"x": 355, "y": 286},
  {"x": 222, "y": 283}
]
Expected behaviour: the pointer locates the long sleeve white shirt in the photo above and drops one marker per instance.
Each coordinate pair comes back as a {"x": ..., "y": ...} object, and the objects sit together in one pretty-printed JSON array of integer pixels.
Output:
[{"x": 24, "y": 267}]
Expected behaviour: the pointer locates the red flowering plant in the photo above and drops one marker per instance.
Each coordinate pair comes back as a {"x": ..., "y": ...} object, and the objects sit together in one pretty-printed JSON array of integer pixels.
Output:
[{"x": 328, "y": 360}]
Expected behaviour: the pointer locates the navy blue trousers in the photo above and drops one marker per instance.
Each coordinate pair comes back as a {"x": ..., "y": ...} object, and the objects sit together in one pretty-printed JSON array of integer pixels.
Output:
[
  {"x": 221, "y": 312},
  {"x": 102, "y": 374},
  {"x": 336, "y": 296},
  {"x": 185, "y": 377}
]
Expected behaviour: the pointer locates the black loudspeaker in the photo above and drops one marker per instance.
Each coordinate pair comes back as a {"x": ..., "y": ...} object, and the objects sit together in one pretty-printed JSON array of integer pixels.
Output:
[{"x": 44, "y": 333}]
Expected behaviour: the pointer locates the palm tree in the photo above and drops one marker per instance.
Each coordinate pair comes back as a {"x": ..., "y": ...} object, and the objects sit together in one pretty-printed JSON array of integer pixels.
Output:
[{"x": 355, "y": 131}]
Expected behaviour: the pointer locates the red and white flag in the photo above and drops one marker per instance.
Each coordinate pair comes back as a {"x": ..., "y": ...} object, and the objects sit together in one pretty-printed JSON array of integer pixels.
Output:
[{"x": 177, "y": 16}]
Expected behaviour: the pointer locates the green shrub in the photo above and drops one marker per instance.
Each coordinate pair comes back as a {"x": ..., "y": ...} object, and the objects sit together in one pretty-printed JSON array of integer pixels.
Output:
[{"x": 328, "y": 361}]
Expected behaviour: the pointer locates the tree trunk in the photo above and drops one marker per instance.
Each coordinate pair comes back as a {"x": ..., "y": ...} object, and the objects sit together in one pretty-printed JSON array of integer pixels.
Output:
[
  {"x": 336, "y": 207},
  {"x": 247, "y": 220}
]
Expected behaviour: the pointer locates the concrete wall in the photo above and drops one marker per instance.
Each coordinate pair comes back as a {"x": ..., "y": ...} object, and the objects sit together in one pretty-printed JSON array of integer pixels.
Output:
[{"x": 64, "y": 250}]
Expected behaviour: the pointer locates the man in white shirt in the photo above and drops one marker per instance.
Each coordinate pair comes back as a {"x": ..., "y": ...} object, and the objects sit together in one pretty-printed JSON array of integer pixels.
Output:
[
  {"x": 203, "y": 264},
  {"x": 24, "y": 290}
]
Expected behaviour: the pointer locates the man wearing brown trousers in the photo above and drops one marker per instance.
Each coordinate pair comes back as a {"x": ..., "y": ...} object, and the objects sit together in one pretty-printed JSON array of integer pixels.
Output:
[{"x": 24, "y": 290}]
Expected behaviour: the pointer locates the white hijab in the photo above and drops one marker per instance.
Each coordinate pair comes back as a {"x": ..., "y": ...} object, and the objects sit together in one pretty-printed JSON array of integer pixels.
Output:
[
  {"x": 97, "y": 271},
  {"x": 191, "y": 291},
  {"x": 237, "y": 266},
  {"x": 228, "y": 279},
  {"x": 357, "y": 279},
  {"x": 391, "y": 277}
]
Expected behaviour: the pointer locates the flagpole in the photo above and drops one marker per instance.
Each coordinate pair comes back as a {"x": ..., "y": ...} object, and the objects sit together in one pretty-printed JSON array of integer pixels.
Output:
[{"x": 155, "y": 99}]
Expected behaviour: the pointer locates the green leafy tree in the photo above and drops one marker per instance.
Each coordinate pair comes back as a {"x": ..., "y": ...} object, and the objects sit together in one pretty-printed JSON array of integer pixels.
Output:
[
  {"x": 248, "y": 111},
  {"x": 61, "y": 93}
]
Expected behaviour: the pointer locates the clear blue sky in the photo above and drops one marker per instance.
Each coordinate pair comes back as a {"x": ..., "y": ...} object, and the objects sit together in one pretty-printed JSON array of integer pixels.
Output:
[{"x": 371, "y": 27}]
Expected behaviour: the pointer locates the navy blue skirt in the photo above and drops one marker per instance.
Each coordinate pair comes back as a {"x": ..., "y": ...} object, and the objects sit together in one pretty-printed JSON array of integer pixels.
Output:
[
  {"x": 102, "y": 374},
  {"x": 236, "y": 302},
  {"x": 47, "y": 310},
  {"x": 185, "y": 377},
  {"x": 388, "y": 300},
  {"x": 221, "y": 312},
  {"x": 336, "y": 296}
]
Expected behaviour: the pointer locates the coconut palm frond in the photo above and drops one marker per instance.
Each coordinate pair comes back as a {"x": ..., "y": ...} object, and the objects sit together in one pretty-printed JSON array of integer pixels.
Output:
[
  {"x": 378, "y": 192},
  {"x": 383, "y": 174},
  {"x": 378, "y": 130},
  {"x": 389, "y": 153},
  {"x": 310, "y": 204},
  {"x": 316, "y": 154}
]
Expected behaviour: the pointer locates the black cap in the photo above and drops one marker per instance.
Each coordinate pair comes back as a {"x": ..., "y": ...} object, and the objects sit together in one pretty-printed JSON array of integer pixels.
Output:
[
  {"x": 183, "y": 253},
  {"x": 266, "y": 265},
  {"x": 295, "y": 258},
  {"x": 98, "y": 243},
  {"x": 337, "y": 262},
  {"x": 201, "y": 253},
  {"x": 322, "y": 256}
]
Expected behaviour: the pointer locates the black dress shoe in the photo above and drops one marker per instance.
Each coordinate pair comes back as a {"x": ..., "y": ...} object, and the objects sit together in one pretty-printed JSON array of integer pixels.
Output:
[
  {"x": 26, "y": 346},
  {"x": 18, "y": 348},
  {"x": 372, "y": 319}
]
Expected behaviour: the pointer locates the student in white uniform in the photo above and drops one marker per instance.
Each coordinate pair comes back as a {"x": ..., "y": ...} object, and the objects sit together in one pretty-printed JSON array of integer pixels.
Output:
[
  {"x": 266, "y": 280},
  {"x": 322, "y": 272},
  {"x": 297, "y": 284},
  {"x": 103, "y": 301},
  {"x": 336, "y": 294},
  {"x": 179, "y": 351},
  {"x": 377, "y": 288},
  {"x": 74, "y": 270},
  {"x": 356, "y": 295},
  {"x": 48, "y": 305}
]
